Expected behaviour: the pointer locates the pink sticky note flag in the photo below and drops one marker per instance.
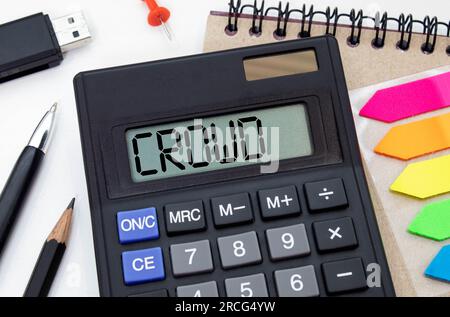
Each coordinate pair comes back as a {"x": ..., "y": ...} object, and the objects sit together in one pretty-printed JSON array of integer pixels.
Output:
[{"x": 408, "y": 100}]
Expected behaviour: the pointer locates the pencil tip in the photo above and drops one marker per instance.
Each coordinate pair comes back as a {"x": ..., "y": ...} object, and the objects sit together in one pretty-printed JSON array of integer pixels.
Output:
[
  {"x": 53, "y": 107},
  {"x": 71, "y": 204}
]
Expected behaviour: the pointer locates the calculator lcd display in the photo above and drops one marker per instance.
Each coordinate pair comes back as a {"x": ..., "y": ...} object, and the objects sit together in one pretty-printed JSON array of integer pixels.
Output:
[{"x": 261, "y": 136}]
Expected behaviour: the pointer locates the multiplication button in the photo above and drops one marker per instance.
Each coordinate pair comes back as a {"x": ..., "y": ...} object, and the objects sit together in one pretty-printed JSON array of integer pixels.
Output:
[
  {"x": 191, "y": 258},
  {"x": 335, "y": 234},
  {"x": 185, "y": 217},
  {"x": 326, "y": 194},
  {"x": 239, "y": 250},
  {"x": 230, "y": 210},
  {"x": 279, "y": 202}
]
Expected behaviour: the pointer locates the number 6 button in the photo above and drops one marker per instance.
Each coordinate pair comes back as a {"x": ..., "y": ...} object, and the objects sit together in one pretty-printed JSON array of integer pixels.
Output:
[
  {"x": 191, "y": 258},
  {"x": 298, "y": 282},
  {"x": 238, "y": 250}
]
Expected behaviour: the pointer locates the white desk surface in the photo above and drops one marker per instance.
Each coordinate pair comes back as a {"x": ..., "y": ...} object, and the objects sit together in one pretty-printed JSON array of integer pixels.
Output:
[{"x": 120, "y": 36}]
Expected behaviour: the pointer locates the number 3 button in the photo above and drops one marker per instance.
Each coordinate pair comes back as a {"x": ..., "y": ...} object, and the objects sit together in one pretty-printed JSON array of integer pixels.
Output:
[
  {"x": 239, "y": 250},
  {"x": 191, "y": 258}
]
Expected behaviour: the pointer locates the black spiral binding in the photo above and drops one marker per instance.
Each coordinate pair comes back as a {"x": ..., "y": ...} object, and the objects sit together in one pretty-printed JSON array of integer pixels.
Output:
[{"x": 405, "y": 24}]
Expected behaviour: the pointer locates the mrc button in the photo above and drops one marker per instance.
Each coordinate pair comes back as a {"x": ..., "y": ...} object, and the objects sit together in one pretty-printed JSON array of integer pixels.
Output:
[
  {"x": 185, "y": 217},
  {"x": 279, "y": 202},
  {"x": 137, "y": 225},
  {"x": 233, "y": 209}
]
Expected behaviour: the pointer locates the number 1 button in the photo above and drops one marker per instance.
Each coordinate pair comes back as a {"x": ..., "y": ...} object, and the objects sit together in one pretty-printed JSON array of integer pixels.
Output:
[{"x": 191, "y": 258}]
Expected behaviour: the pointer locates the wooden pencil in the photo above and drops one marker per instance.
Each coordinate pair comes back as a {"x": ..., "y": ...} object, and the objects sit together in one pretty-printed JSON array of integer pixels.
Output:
[{"x": 51, "y": 255}]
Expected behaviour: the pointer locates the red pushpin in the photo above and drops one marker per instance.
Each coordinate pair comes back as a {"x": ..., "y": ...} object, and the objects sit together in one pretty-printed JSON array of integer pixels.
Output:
[{"x": 158, "y": 16}]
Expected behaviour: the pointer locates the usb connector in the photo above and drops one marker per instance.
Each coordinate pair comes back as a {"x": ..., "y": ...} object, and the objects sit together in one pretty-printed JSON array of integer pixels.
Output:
[
  {"x": 71, "y": 31},
  {"x": 36, "y": 43}
]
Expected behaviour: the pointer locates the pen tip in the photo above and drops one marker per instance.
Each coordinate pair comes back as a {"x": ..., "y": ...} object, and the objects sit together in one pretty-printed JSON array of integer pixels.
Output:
[
  {"x": 71, "y": 204},
  {"x": 53, "y": 107}
]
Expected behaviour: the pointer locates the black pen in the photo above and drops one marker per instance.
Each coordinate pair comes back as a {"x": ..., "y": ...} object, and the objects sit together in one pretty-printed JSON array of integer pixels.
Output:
[{"x": 22, "y": 175}]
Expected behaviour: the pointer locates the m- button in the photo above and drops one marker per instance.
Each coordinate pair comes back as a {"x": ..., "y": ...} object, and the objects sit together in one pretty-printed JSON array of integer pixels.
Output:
[
  {"x": 233, "y": 209},
  {"x": 279, "y": 202},
  {"x": 185, "y": 217}
]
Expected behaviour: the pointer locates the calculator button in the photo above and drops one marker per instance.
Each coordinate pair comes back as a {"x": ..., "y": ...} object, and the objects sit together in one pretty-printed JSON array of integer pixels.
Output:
[
  {"x": 185, "y": 217},
  {"x": 143, "y": 266},
  {"x": 297, "y": 282},
  {"x": 345, "y": 275},
  {"x": 137, "y": 225},
  {"x": 238, "y": 250},
  {"x": 326, "y": 194},
  {"x": 279, "y": 202},
  {"x": 287, "y": 242},
  {"x": 191, "y": 258},
  {"x": 247, "y": 286},
  {"x": 234, "y": 209},
  {"x": 335, "y": 234},
  {"x": 158, "y": 293},
  {"x": 208, "y": 289}
]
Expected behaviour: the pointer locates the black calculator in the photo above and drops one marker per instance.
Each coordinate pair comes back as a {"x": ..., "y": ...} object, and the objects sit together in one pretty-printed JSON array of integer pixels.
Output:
[{"x": 229, "y": 174}]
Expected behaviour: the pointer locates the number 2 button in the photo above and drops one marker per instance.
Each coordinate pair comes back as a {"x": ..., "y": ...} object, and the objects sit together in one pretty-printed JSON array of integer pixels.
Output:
[{"x": 191, "y": 258}]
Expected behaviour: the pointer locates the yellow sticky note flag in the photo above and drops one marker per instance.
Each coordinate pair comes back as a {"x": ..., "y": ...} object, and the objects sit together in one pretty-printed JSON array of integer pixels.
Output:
[{"x": 425, "y": 179}]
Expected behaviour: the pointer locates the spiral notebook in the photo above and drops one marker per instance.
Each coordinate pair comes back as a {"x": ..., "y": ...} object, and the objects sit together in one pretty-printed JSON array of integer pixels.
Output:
[{"x": 373, "y": 49}]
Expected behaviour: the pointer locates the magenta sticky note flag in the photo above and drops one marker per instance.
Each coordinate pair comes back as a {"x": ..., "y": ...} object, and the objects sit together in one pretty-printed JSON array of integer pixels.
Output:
[{"x": 408, "y": 100}]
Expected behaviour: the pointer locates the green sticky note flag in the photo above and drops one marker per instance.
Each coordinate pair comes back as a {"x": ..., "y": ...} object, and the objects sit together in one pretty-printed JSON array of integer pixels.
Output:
[{"x": 433, "y": 221}]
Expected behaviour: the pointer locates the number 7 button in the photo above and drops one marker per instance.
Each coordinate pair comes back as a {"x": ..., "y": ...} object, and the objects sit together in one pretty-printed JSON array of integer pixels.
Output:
[{"x": 191, "y": 258}]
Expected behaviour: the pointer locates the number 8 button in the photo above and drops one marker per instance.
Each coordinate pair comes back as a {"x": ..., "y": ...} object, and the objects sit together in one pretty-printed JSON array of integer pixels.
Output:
[{"x": 238, "y": 250}]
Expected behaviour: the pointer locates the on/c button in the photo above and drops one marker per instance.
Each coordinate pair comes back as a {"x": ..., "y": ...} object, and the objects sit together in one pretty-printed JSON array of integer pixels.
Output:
[{"x": 137, "y": 225}]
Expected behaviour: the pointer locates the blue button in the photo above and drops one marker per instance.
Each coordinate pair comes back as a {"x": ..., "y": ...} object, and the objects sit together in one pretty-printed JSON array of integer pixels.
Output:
[
  {"x": 137, "y": 225},
  {"x": 143, "y": 266}
]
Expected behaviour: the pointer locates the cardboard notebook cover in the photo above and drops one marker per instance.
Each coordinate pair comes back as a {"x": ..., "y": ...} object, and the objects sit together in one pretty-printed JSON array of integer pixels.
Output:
[{"x": 363, "y": 65}]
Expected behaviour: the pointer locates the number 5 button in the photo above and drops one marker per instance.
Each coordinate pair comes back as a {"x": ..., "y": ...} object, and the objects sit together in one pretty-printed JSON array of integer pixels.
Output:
[{"x": 191, "y": 258}]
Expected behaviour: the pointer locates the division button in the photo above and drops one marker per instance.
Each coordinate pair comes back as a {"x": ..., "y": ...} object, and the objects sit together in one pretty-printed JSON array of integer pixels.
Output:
[
  {"x": 191, "y": 258},
  {"x": 233, "y": 209},
  {"x": 279, "y": 202},
  {"x": 335, "y": 234},
  {"x": 326, "y": 194},
  {"x": 345, "y": 275},
  {"x": 143, "y": 266},
  {"x": 247, "y": 286},
  {"x": 207, "y": 289},
  {"x": 287, "y": 242},
  {"x": 239, "y": 250},
  {"x": 185, "y": 217},
  {"x": 297, "y": 282}
]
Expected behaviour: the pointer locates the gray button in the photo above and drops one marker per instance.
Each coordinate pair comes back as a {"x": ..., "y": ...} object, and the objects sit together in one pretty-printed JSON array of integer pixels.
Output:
[
  {"x": 208, "y": 289},
  {"x": 287, "y": 242},
  {"x": 233, "y": 209},
  {"x": 279, "y": 202},
  {"x": 238, "y": 250},
  {"x": 247, "y": 286},
  {"x": 298, "y": 282},
  {"x": 191, "y": 258}
]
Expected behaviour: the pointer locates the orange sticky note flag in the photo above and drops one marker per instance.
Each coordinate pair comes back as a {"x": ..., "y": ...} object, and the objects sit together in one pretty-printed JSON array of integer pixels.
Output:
[{"x": 417, "y": 138}]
